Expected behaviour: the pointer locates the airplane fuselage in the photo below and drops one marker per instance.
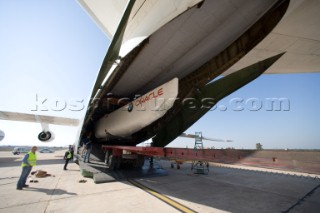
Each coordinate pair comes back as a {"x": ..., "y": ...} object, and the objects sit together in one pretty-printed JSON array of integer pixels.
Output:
[{"x": 194, "y": 47}]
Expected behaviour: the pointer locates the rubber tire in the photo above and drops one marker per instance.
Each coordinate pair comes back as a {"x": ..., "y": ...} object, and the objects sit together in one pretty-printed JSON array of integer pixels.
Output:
[{"x": 114, "y": 162}]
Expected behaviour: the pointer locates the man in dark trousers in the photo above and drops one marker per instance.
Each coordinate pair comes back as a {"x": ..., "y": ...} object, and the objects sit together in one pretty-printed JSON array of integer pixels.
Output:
[
  {"x": 68, "y": 156},
  {"x": 87, "y": 143},
  {"x": 28, "y": 162},
  {"x": 88, "y": 148}
]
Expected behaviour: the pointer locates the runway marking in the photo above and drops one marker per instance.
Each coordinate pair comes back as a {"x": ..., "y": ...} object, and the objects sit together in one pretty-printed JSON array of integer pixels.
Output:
[
  {"x": 165, "y": 199},
  {"x": 309, "y": 194}
]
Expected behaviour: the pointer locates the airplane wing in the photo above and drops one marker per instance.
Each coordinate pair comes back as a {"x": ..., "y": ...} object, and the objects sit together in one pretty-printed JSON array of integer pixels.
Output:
[
  {"x": 45, "y": 135},
  {"x": 114, "y": 9},
  {"x": 297, "y": 34},
  {"x": 108, "y": 14},
  {"x": 16, "y": 116}
]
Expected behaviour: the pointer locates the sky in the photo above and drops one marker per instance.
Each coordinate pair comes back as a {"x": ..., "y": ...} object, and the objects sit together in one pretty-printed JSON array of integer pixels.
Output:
[{"x": 53, "y": 50}]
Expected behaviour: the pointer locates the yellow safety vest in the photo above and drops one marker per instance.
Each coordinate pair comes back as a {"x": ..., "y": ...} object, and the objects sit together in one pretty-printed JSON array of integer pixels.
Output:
[
  {"x": 32, "y": 159},
  {"x": 69, "y": 155}
]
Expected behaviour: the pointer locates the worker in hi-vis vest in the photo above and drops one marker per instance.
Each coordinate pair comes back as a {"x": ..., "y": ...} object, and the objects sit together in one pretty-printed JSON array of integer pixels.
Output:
[
  {"x": 28, "y": 162},
  {"x": 68, "y": 156}
]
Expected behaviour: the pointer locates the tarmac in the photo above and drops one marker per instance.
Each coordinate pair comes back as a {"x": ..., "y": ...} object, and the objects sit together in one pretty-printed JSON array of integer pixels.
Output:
[{"x": 162, "y": 189}]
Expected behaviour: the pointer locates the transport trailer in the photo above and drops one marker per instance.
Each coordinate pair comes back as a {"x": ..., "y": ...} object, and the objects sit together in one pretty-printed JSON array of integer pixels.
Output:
[
  {"x": 171, "y": 153},
  {"x": 129, "y": 156},
  {"x": 307, "y": 161},
  {"x": 119, "y": 156}
]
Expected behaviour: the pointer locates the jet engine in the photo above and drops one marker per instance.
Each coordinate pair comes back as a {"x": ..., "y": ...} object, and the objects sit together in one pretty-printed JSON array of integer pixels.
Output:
[
  {"x": 1, "y": 135},
  {"x": 46, "y": 136}
]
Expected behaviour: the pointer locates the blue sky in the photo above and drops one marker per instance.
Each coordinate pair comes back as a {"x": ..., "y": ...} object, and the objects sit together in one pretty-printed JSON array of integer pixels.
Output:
[{"x": 53, "y": 50}]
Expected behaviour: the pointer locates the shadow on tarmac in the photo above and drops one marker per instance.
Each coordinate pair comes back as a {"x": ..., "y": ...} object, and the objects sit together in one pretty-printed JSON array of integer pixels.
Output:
[
  {"x": 11, "y": 161},
  {"x": 147, "y": 170},
  {"x": 76, "y": 170},
  {"x": 50, "y": 161},
  {"x": 50, "y": 191}
]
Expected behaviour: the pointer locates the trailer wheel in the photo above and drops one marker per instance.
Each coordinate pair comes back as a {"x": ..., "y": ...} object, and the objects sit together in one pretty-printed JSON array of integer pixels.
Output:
[
  {"x": 114, "y": 162},
  {"x": 106, "y": 157},
  {"x": 139, "y": 161},
  {"x": 110, "y": 162}
]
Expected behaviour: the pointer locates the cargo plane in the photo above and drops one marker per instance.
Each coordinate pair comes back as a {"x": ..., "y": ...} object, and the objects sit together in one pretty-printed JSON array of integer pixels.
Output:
[{"x": 159, "y": 75}]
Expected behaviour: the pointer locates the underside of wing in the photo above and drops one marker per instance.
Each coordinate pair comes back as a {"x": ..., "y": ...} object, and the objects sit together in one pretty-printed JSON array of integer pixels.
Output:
[
  {"x": 142, "y": 22},
  {"x": 46, "y": 135},
  {"x": 297, "y": 34},
  {"x": 16, "y": 116}
]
